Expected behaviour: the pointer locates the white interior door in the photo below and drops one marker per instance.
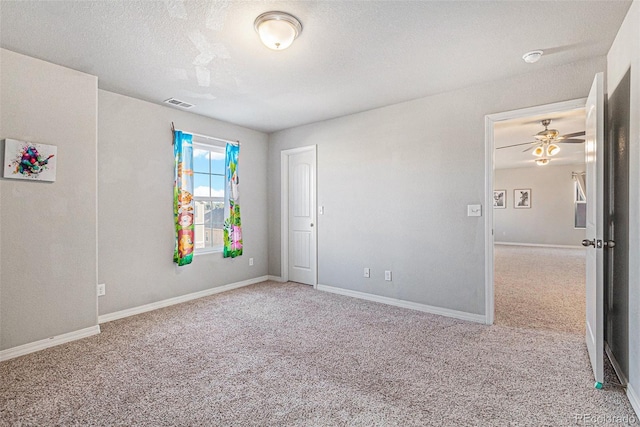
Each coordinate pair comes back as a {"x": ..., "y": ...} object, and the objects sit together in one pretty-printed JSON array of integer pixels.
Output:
[
  {"x": 595, "y": 227},
  {"x": 302, "y": 217}
]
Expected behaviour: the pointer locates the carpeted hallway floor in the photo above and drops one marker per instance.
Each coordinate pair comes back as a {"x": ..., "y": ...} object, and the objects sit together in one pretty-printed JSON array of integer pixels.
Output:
[
  {"x": 538, "y": 287},
  {"x": 277, "y": 354}
]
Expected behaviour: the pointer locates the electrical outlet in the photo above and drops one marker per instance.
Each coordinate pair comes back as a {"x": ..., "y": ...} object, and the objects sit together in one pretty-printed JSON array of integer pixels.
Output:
[
  {"x": 367, "y": 273},
  {"x": 387, "y": 275},
  {"x": 102, "y": 289},
  {"x": 250, "y": 261}
]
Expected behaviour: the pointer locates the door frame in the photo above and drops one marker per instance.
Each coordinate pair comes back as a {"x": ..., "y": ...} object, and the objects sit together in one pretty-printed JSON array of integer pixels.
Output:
[
  {"x": 490, "y": 120},
  {"x": 284, "y": 209}
]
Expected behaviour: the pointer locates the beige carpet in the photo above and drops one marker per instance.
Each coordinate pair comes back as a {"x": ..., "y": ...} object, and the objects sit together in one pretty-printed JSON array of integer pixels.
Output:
[
  {"x": 285, "y": 355},
  {"x": 538, "y": 287}
]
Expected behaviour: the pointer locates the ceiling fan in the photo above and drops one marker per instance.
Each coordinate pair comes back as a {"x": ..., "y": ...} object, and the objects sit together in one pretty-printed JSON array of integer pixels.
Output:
[{"x": 546, "y": 143}]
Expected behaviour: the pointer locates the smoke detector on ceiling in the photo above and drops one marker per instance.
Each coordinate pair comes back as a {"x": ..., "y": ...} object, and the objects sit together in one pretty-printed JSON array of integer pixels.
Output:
[{"x": 532, "y": 57}]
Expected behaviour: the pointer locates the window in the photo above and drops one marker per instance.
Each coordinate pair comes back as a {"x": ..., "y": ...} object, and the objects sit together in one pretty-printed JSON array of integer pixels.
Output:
[
  {"x": 208, "y": 195},
  {"x": 580, "y": 204}
]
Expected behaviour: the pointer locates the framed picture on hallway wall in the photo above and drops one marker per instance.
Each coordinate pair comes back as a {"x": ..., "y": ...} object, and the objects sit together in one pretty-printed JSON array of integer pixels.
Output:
[
  {"x": 522, "y": 198},
  {"x": 500, "y": 199}
]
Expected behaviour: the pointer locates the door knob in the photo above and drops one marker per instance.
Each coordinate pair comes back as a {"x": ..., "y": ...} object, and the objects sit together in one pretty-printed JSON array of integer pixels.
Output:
[
  {"x": 610, "y": 243},
  {"x": 587, "y": 242}
]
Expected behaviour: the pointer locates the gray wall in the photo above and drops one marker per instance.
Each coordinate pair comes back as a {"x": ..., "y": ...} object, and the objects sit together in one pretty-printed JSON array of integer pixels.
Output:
[
  {"x": 625, "y": 54},
  {"x": 56, "y": 245},
  {"x": 550, "y": 220},
  {"x": 395, "y": 183},
  {"x": 135, "y": 217},
  {"x": 48, "y": 236}
]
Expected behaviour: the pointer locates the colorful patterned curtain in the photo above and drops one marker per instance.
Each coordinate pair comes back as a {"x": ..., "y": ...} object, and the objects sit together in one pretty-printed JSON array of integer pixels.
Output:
[
  {"x": 183, "y": 197},
  {"x": 232, "y": 224}
]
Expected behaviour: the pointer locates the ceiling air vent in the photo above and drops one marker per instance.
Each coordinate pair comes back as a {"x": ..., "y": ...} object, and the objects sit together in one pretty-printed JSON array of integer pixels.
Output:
[{"x": 178, "y": 103}]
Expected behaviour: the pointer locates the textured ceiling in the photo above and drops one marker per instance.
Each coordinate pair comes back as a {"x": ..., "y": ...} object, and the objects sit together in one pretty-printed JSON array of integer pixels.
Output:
[{"x": 352, "y": 56}]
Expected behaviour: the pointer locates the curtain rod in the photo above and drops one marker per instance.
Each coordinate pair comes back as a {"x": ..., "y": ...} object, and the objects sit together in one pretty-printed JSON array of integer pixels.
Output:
[{"x": 205, "y": 136}]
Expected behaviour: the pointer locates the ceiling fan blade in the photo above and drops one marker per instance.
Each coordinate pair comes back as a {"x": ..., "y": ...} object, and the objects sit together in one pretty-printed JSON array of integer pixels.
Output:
[
  {"x": 530, "y": 148},
  {"x": 571, "y": 135},
  {"x": 570, "y": 141},
  {"x": 516, "y": 145}
]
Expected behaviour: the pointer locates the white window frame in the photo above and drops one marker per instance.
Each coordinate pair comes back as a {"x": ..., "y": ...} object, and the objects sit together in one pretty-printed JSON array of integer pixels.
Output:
[{"x": 218, "y": 149}]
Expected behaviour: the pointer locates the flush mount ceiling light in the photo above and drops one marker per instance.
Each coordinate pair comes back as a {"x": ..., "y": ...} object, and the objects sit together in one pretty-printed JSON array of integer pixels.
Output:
[
  {"x": 533, "y": 56},
  {"x": 277, "y": 30}
]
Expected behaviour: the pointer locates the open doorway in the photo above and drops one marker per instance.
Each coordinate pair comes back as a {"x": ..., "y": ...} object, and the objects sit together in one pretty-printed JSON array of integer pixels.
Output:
[{"x": 537, "y": 219}]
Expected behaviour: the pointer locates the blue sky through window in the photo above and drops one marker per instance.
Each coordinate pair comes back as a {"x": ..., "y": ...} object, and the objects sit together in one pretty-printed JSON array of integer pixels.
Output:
[{"x": 208, "y": 167}]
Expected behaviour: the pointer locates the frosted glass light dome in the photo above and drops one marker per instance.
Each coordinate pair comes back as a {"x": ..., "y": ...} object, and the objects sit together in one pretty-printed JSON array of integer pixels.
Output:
[
  {"x": 277, "y": 30},
  {"x": 553, "y": 149}
]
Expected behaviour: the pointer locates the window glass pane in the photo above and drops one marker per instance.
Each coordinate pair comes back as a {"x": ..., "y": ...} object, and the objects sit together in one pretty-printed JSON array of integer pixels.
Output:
[
  {"x": 201, "y": 185},
  {"x": 217, "y": 163},
  {"x": 217, "y": 215},
  {"x": 208, "y": 216},
  {"x": 199, "y": 231},
  {"x": 208, "y": 177},
  {"x": 198, "y": 214},
  {"x": 218, "y": 239},
  {"x": 581, "y": 215},
  {"x": 208, "y": 238},
  {"x": 200, "y": 160},
  {"x": 579, "y": 195},
  {"x": 217, "y": 186}
]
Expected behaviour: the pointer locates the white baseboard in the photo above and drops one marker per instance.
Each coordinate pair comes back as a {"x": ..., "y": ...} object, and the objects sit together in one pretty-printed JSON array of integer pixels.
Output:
[
  {"x": 539, "y": 245},
  {"x": 32, "y": 347},
  {"x": 479, "y": 318},
  {"x": 633, "y": 398},
  {"x": 276, "y": 279},
  {"x": 177, "y": 300},
  {"x": 615, "y": 364}
]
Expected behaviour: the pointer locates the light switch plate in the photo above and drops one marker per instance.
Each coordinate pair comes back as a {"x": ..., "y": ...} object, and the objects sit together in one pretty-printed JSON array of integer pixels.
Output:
[{"x": 474, "y": 210}]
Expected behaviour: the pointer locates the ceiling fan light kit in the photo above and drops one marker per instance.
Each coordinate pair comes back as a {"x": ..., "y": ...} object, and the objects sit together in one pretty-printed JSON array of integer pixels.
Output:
[
  {"x": 546, "y": 143},
  {"x": 277, "y": 30}
]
